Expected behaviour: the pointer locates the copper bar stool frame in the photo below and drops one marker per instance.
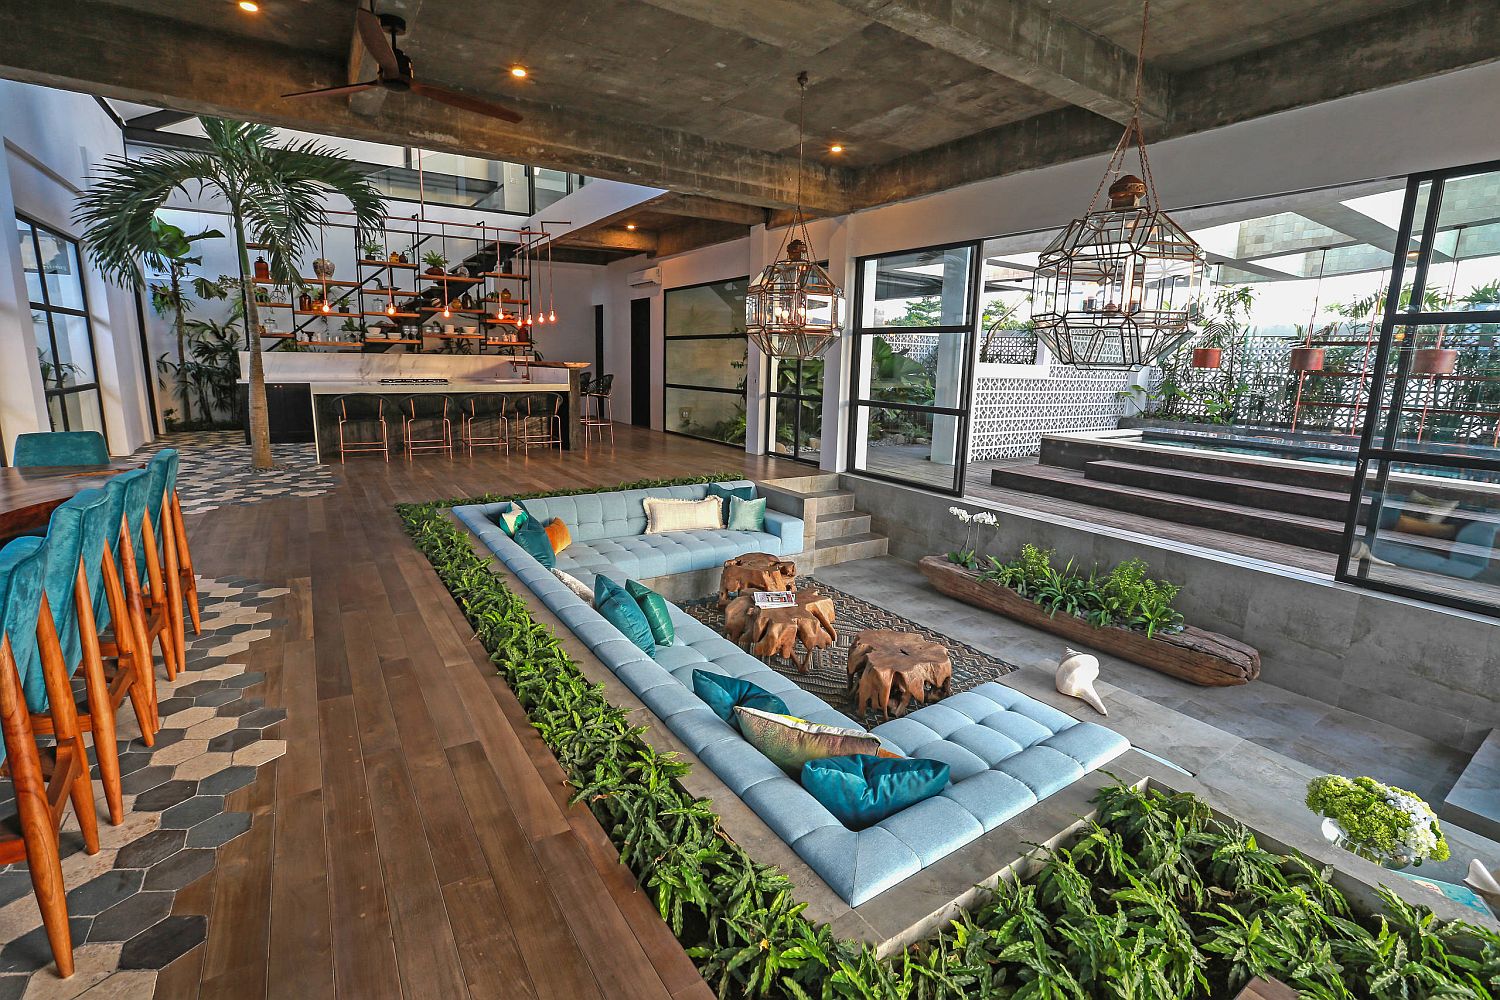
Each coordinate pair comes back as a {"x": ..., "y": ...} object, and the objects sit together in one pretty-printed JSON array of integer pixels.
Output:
[
  {"x": 542, "y": 425},
  {"x": 469, "y": 414},
  {"x": 347, "y": 447},
  {"x": 409, "y": 419},
  {"x": 604, "y": 411}
]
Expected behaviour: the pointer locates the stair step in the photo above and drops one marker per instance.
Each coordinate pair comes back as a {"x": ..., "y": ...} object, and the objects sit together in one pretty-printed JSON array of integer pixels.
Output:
[
  {"x": 1474, "y": 802},
  {"x": 1318, "y": 503},
  {"x": 827, "y": 501},
  {"x": 1320, "y": 534},
  {"x": 864, "y": 545},
  {"x": 1075, "y": 453},
  {"x": 841, "y": 524}
]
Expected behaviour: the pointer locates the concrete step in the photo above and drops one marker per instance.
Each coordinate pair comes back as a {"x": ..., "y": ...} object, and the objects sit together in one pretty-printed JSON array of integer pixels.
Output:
[
  {"x": 1076, "y": 452},
  {"x": 1474, "y": 802},
  {"x": 864, "y": 545},
  {"x": 1328, "y": 505},
  {"x": 825, "y": 500},
  {"x": 841, "y": 524},
  {"x": 1321, "y": 534}
]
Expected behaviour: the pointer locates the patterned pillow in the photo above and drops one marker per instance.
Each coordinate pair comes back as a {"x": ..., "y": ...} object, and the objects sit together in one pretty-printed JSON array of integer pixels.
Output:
[
  {"x": 576, "y": 585},
  {"x": 790, "y": 742},
  {"x": 664, "y": 515},
  {"x": 511, "y": 517}
]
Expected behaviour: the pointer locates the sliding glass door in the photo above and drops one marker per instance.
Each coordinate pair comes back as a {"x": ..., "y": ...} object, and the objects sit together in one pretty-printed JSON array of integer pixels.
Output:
[
  {"x": 794, "y": 418},
  {"x": 60, "y": 319},
  {"x": 913, "y": 364},
  {"x": 704, "y": 360}
]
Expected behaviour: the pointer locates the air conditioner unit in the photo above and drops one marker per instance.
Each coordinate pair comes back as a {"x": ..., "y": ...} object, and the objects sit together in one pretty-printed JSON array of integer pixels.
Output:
[{"x": 647, "y": 276}]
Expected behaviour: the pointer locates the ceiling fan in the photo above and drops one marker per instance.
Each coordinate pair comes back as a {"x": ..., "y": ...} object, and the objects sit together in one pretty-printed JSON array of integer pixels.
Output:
[{"x": 395, "y": 70}]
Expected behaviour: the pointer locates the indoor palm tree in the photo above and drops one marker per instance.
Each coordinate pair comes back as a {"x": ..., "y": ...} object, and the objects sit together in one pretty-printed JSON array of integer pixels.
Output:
[{"x": 275, "y": 197}]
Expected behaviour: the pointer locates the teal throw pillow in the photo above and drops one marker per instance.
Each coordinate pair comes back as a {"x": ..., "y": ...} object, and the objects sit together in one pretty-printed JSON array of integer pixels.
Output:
[
  {"x": 861, "y": 790},
  {"x": 722, "y": 693},
  {"x": 510, "y": 517},
  {"x": 726, "y": 493},
  {"x": 621, "y": 611},
  {"x": 532, "y": 537},
  {"x": 746, "y": 515},
  {"x": 654, "y": 607}
]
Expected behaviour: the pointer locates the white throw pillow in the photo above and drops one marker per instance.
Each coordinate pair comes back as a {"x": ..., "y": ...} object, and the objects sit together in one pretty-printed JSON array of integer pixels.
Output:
[
  {"x": 575, "y": 585},
  {"x": 682, "y": 515}
]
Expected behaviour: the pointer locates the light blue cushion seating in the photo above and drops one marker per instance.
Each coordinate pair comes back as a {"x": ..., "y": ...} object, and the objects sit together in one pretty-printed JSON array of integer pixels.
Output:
[
  {"x": 998, "y": 743},
  {"x": 59, "y": 448}
]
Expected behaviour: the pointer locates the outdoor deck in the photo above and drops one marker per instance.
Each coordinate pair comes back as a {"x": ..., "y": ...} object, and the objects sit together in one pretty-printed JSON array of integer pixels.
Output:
[{"x": 415, "y": 840}]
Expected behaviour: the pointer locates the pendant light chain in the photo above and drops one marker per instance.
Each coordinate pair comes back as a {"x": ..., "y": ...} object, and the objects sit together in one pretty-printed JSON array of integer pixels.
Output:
[{"x": 1312, "y": 318}]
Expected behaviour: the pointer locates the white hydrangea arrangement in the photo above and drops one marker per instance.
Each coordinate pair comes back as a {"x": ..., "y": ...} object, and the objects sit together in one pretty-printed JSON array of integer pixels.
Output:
[{"x": 1390, "y": 822}]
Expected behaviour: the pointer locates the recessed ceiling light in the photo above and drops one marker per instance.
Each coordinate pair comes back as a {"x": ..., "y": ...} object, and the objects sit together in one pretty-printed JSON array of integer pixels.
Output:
[
  {"x": 835, "y": 148},
  {"x": 519, "y": 72},
  {"x": 249, "y": 6},
  {"x": 630, "y": 226}
]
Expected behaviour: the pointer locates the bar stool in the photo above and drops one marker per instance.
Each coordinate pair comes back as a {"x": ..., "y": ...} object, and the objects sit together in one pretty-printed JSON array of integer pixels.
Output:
[
  {"x": 480, "y": 406},
  {"x": 542, "y": 425},
  {"x": 426, "y": 407},
  {"x": 604, "y": 411},
  {"x": 584, "y": 382},
  {"x": 26, "y": 627},
  {"x": 75, "y": 544},
  {"x": 365, "y": 407}
]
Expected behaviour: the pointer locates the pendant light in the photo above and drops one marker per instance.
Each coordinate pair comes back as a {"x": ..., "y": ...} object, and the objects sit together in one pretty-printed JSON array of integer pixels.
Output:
[
  {"x": 793, "y": 310},
  {"x": 551, "y": 302},
  {"x": 1440, "y": 360},
  {"x": 1308, "y": 358},
  {"x": 1118, "y": 288}
]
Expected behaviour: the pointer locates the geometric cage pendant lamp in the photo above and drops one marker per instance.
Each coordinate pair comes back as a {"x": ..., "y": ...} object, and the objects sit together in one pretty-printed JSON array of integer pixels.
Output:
[
  {"x": 1119, "y": 287},
  {"x": 793, "y": 309}
]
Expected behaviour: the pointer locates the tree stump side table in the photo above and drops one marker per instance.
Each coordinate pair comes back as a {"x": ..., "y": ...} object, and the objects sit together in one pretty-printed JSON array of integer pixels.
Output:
[
  {"x": 894, "y": 669},
  {"x": 776, "y": 631},
  {"x": 756, "y": 571}
]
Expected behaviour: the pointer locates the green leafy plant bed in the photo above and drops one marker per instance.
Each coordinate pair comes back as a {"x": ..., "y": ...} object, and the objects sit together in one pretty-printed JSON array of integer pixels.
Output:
[
  {"x": 1192, "y": 654},
  {"x": 1157, "y": 899}
]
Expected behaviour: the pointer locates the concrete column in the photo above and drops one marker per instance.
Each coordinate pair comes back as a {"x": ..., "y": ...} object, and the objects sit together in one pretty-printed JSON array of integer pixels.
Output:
[
  {"x": 23, "y": 407},
  {"x": 757, "y": 402},
  {"x": 838, "y": 411}
]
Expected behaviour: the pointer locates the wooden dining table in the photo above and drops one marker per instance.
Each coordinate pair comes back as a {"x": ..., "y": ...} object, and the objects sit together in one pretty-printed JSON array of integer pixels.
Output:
[{"x": 29, "y": 496}]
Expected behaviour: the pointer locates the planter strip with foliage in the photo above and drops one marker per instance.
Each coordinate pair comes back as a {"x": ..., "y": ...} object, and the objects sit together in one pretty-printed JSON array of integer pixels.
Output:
[{"x": 1156, "y": 899}]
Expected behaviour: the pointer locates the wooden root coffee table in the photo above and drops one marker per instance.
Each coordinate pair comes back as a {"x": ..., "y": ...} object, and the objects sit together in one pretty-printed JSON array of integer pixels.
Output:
[
  {"x": 886, "y": 667},
  {"x": 776, "y": 631},
  {"x": 756, "y": 571}
]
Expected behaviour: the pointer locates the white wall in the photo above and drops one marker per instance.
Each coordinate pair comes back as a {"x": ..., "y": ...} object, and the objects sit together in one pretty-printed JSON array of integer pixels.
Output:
[
  {"x": 51, "y": 140},
  {"x": 1418, "y": 126}
]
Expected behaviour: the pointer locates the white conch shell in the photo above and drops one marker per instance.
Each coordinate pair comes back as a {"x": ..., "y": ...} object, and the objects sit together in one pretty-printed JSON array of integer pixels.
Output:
[
  {"x": 1481, "y": 881},
  {"x": 1076, "y": 675}
]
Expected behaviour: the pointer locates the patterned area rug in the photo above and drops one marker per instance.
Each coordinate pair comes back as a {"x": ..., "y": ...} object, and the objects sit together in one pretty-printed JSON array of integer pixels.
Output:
[
  {"x": 212, "y": 740},
  {"x": 828, "y": 678},
  {"x": 216, "y": 471}
]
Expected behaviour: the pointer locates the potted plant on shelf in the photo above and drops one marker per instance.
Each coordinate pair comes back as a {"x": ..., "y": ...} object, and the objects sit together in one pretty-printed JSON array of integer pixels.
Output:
[
  {"x": 1381, "y": 823},
  {"x": 436, "y": 262},
  {"x": 374, "y": 251}
]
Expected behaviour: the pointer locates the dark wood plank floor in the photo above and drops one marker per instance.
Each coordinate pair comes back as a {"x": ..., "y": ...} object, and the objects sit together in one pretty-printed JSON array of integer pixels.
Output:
[{"x": 415, "y": 840}]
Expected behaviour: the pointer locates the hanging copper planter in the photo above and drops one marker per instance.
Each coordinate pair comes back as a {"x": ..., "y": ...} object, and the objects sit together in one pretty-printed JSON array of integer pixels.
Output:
[
  {"x": 1434, "y": 361},
  {"x": 1307, "y": 359},
  {"x": 1208, "y": 357}
]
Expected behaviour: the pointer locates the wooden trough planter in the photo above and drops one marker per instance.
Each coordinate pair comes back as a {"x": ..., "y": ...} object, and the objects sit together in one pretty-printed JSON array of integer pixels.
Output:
[{"x": 1205, "y": 658}]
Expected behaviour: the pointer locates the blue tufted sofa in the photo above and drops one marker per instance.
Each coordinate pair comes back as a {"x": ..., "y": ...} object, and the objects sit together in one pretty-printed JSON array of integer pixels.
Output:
[{"x": 1005, "y": 751}]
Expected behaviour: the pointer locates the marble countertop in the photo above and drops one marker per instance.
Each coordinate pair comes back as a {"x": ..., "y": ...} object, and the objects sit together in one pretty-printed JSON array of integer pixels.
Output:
[{"x": 326, "y": 385}]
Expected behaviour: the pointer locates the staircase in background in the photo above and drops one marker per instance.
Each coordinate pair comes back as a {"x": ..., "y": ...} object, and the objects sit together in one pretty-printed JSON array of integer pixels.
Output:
[{"x": 835, "y": 531}]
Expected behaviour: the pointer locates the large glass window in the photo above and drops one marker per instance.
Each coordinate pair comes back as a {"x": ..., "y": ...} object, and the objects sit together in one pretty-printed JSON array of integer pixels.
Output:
[
  {"x": 704, "y": 360},
  {"x": 59, "y": 317},
  {"x": 912, "y": 362},
  {"x": 1426, "y": 509},
  {"x": 795, "y": 416}
]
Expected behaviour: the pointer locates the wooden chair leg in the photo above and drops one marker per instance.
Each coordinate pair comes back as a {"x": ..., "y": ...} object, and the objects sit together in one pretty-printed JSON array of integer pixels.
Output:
[
  {"x": 172, "y": 577},
  {"x": 185, "y": 562},
  {"x": 132, "y": 671},
  {"x": 128, "y": 612},
  {"x": 101, "y": 717},
  {"x": 34, "y": 810},
  {"x": 156, "y": 595},
  {"x": 65, "y": 725}
]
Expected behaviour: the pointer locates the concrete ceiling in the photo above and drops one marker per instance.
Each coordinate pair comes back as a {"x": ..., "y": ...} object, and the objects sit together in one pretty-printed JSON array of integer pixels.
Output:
[{"x": 698, "y": 96}]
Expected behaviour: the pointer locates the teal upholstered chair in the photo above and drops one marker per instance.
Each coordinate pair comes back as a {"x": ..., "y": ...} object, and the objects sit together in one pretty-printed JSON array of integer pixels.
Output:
[
  {"x": 163, "y": 472},
  {"x": 143, "y": 587},
  {"x": 186, "y": 576},
  {"x": 40, "y": 801},
  {"x": 60, "y": 448}
]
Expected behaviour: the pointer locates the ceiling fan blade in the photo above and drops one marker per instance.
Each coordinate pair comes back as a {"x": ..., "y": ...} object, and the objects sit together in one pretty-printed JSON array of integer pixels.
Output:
[
  {"x": 463, "y": 101},
  {"x": 379, "y": 46},
  {"x": 352, "y": 88}
]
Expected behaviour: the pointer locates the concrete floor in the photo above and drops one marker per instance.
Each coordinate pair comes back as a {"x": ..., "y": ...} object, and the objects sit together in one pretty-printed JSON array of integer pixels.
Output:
[{"x": 1251, "y": 748}]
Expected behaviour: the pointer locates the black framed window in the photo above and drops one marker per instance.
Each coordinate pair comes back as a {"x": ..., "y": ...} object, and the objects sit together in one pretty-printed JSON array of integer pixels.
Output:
[
  {"x": 60, "y": 318},
  {"x": 703, "y": 360},
  {"x": 913, "y": 365},
  {"x": 794, "y": 418},
  {"x": 1424, "y": 511}
]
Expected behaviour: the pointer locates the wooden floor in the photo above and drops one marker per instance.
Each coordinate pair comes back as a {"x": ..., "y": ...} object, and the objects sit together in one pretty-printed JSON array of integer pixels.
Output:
[{"x": 415, "y": 839}]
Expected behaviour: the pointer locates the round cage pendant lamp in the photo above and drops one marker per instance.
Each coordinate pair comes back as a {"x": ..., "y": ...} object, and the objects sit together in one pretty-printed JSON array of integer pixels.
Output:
[
  {"x": 793, "y": 309},
  {"x": 1118, "y": 288}
]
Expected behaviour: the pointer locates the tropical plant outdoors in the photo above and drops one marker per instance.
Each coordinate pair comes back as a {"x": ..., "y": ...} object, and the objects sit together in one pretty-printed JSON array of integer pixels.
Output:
[
  {"x": 1379, "y": 821},
  {"x": 172, "y": 255},
  {"x": 1125, "y": 596},
  {"x": 974, "y": 523},
  {"x": 275, "y": 196},
  {"x": 212, "y": 367},
  {"x": 1155, "y": 898}
]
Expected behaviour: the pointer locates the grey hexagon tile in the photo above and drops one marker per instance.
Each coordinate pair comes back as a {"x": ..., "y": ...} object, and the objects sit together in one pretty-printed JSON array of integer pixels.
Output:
[
  {"x": 195, "y": 810},
  {"x": 244, "y": 706},
  {"x": 143, "y": 779},
  {"x": 165, "y": 795},
  {"x": 13, "y": 987},
  {"x": 262, "y": 717},
  {"x": 214, "y": 699},
  {"x": 161, "y": 944},
  {"x": 101, "y": 893},
  {"x": 219, "y": 830},
  {"x": 180, "y": 870},
  {"x": 231, "y": 741},
  {"x": 30, "y": 952},
  {"x": 226, "y": 781},
  {"x": 154, "y": 847},
  {"x": 166, "y": 707},
  {"x": 130, "y": 916},
  {"x": 244, "y": 680}
]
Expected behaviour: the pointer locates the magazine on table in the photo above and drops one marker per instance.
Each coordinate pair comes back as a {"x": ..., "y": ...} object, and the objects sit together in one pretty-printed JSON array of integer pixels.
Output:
[{"x": 775, "y": 599}]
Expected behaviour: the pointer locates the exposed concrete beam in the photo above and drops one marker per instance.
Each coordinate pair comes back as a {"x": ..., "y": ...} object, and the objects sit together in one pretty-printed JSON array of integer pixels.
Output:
[
  {"x": 114, "y": 52},
  {"x": 1411, "y": 43},
  {"x": 1027, "y": 43},
  {"x": 707, "y": 208},
  {"x": 691, "y": 234},
  {"x": 610, "y": 238},
  {"x": 362, "y": 64}
]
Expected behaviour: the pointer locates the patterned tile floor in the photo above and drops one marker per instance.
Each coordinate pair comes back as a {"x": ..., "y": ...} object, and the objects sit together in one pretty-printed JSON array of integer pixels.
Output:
[
  {"x": 211, "y": 742},
  {"x": 216, "y": 472}
]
